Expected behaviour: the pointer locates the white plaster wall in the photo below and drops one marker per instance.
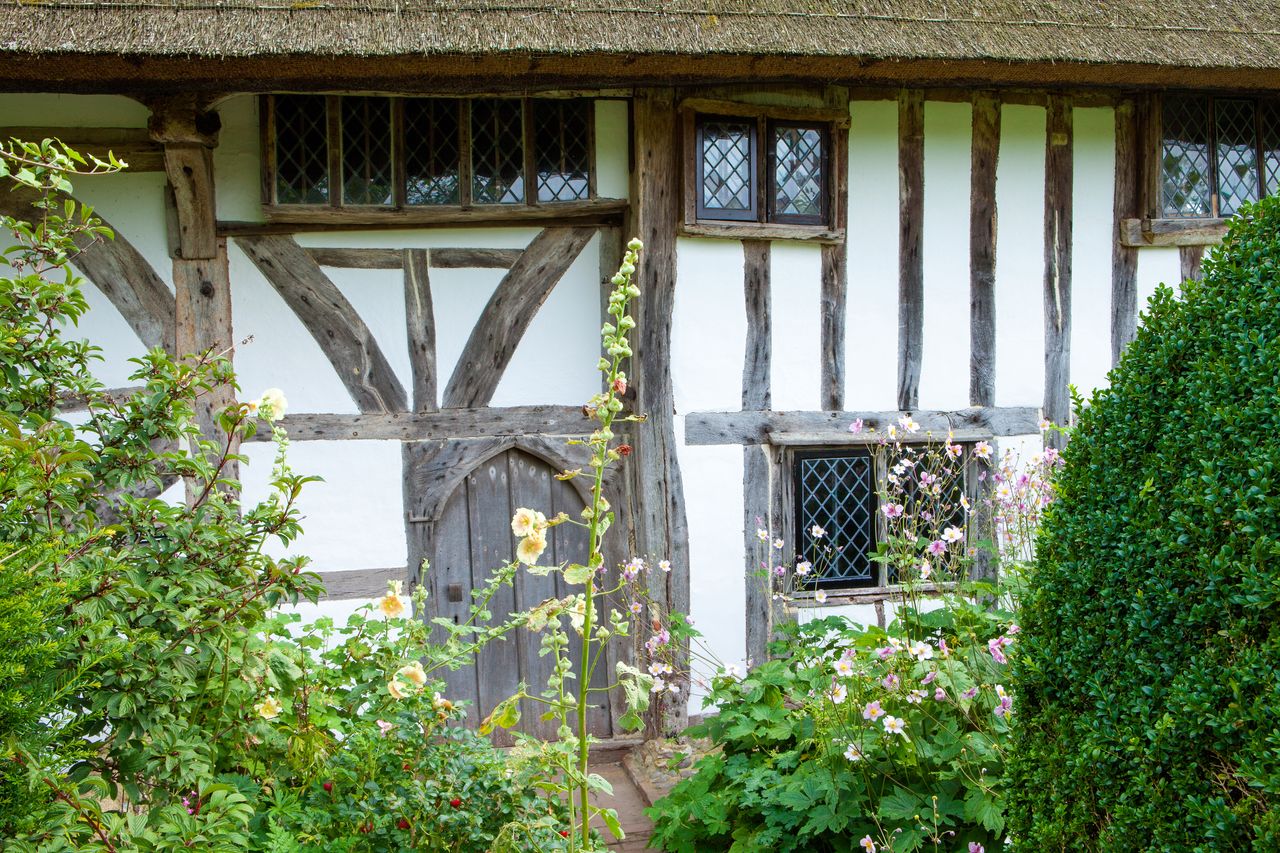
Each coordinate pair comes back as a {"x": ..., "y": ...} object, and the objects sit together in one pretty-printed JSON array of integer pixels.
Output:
[
  {"x": 796, "y": 282},
  {"x": 944, "y": 368},
  {"x": 613, "y": 141},
  {"x": 871, "y": 349},
  {"x": 1092, "y": 235},
  {"x": 1020, "y": 257},
  {"x": 709, "y": 326},
  {"x": 237, "y": 161},
  {"x": 1157, "y": 266}
]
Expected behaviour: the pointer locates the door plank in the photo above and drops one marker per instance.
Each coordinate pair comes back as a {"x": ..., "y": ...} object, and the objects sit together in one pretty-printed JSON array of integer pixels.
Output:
[{"x": 452, "y": 565}]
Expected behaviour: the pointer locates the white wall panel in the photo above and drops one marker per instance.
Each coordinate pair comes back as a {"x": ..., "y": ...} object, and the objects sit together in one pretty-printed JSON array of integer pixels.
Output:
[
  {"x": 50, "y": 110},
  {"x": 1020, "y": 257},
  {"x": 871, "y": 350},
  {"x": 1156, "y": 266},
  {"x": 709, "y": 326},
  {"x": 1092, "y": 234},
  {"x": 613, "y": 177},
  {"x": 237, "y": 161},
  {"x": 796, "y": 281},
  {"x": 944, "y": 370}
]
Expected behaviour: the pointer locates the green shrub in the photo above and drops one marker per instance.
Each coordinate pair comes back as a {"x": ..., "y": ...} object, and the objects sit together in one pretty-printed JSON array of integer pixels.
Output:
[{"x": 1148, "y": 673}]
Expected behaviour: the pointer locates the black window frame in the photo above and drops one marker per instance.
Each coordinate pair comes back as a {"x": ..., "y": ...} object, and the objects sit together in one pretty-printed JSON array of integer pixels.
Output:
[
  {"x": 763, "y": 175},
  {"x": 270, "y": 140},
  {"x": 1259, "y": 103}
]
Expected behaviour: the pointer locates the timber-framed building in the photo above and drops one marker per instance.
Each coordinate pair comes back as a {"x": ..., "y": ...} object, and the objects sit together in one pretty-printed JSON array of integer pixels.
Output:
[{"x": 405, "y": 214}]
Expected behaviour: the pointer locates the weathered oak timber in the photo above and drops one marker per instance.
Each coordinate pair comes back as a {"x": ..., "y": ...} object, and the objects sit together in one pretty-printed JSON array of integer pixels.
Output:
[
  {"x": 130, "y": 145},
  {"x": 421, "y": 321},
  {"x": 1138, "y": 233},
  {"x": 1189, "y": 260},
  {"x": 508, "y": 314},
  {"x": 331, "y": 320},
  {"x": 302, "y": 214},
  {"x": 1057, "y": 263},
  {"x": 982, "y": 250},
  {"x": 910, "y": 245},
  {"x": 980, "y": 490},
  {"x": 392, "y": 259},
  {"x": 118, "y": 270},
  {"x": 661, "y": 525},
  {"x": 835, "y": 302},
  {"x": 189, "y": 167},
  {"x": 1124, "y": 258},
  {"x": 734, "y": 107},
  {"x": 757, "y": 427},
  {"x": 485, "y": 422},
  {"x": 361, "y": 583},
  {"x": 763, "y": 231},
  {"x": 756, "y": 504},
  {"x": 756, "y": 392}
]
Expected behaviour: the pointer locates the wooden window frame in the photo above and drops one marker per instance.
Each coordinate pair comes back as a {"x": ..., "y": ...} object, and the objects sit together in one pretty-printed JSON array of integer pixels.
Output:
[
  {"x": 337, "y": 211},
  {"x": 764, "y": 224}
]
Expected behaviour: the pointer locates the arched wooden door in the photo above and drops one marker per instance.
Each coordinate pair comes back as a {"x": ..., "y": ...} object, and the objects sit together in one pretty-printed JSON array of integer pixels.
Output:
[{"x": 472, "y": 537}]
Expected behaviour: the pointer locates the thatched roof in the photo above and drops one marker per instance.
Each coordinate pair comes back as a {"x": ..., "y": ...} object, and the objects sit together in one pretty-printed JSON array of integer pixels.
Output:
[
  {"x": 1185, "y": 33},
  {"x": 400, "y": 45}
]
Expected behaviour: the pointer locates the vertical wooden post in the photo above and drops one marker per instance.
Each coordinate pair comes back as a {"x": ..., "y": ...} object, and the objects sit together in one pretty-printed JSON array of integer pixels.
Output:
[
  {"x": 1189, "y": 260},
  {"x": 910, "y": 246},
  {"x": 756, "y": 469},
  {"x": 1057, "y": 262},
  {"x": 661, "y": 525},
  {"x": 202, "y": 284},
  {"x": 1124, "y": 259},
  {"x": 421, "y": 320},
  {"x": 835, "y": 264},
  {"x": 982, "y": 250}
]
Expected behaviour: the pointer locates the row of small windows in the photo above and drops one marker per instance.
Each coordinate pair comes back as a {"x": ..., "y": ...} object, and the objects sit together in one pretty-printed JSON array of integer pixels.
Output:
[
  {"x": 1216, "y": 154},
  {"x": 422, "y": 152}
]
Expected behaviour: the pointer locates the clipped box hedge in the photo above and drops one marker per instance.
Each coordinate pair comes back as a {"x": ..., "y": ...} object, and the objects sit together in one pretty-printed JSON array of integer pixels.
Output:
[{"x": 1149, "y": 675}]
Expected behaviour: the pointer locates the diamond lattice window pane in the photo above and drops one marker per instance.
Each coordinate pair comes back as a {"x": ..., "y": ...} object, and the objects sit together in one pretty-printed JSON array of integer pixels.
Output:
[
  {"x": 1237, "y": 152},
  {"x": 497, "y": 151},
  {"x": 302, "y": 149},
  {"x": 561, "y": 145},
  {"x": 797, "y": 173},
  {"x": 726, "y": 166},
  {"x": 1270, "y": 124},
  {"x": 366, "y": 151},
  {"x": 431, "y": 151},
  {"x": 1185, "y": 164},
  {"x": 837, "y": 493}
]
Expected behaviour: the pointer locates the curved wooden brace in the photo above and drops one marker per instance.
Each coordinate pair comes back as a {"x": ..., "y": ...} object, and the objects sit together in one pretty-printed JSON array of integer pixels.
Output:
[
  {"x": 331, "y": 320},
  {"x": 118, "y": 270},
  {"x": 508, "y": 314}
]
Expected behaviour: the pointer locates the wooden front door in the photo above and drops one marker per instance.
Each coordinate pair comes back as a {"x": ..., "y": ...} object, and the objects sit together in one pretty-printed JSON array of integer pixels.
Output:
[{"x": 472, "y": 538}]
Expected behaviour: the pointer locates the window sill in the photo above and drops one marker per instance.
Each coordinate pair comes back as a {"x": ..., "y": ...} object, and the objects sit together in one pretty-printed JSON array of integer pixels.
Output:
[
  {"x": 804, "y": 600},
  {"x": 318, "y": 214},
  {"x": 761, "y": 231},
  {"x": 1140, "y": 233}
]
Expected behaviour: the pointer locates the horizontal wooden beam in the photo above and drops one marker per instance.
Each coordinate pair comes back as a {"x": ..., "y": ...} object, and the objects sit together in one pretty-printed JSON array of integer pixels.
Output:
[
  {"x": 393, "y": 259},
  {"x": 754, "y": 231},
  {"x": 1139, "y": 233},
  {"x": 733, "y": 107},
  {"x": 133, "y": 145},
  {"x": 360, "y": 583},
  {"x": 232, "y": 228},
  {"x": 435, "y": 426},
  {"x": 303, "y": 214},
  {"x": 701, "y": 428}
]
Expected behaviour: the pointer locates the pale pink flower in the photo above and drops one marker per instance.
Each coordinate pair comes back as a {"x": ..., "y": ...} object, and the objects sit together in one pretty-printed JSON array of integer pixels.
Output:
[
  {"x": 872, "y": 711},
  {"x": 856, "y": 426},
  {"x": 385, "y": 727},
  {"x": 867, "y": 844},
  {"x": 982, "y": 450},
  {"x": 939, "y": 694},
  {"x": 975, "y": 847},
  {"x": 892, "y": 510},
  {"x": 890, "y": 682},
  {"x": 937, "y": 547}
]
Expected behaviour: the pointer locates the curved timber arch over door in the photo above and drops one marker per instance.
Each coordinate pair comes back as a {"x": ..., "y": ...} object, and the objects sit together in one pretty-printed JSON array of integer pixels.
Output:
[{"x": 469, "y": 535}]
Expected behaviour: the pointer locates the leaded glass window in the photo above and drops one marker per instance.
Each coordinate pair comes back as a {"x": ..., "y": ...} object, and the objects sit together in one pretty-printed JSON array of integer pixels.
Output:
[
  {"x": 432, "y": 151},
  {"x": 301, "y": 149},
  {"x": 366, "y": 151},
  {"x": 797, "y": 191},
  {"x": 1217, "y": 154},
  {"x": 727, "y": 169},
  {"x": 497, "y": 151},
  {"x": 562, "y": 149},
  {"x": 835, "y": 490}
]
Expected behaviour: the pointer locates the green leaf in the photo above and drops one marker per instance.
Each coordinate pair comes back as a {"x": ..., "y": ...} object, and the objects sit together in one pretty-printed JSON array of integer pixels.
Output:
[{"x": 577, "y": 574}]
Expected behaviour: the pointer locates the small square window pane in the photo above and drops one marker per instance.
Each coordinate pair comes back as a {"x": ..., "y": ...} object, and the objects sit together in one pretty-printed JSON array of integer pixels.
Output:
[
  {"x": 1237, "y": 152},
  {"x": 366, "y": 151},
  {"x": 301, "y": 149},
  {"x": 726, "y": 162},
  {"x": 497, "y": 151},
  {"x": 561, "y": 145},
  {"x": 1185, "y": 159},
  {"x": 1271, "y": 145},
  {"x": 836, "y": 491},
  {"x": 431, "y": 151},
  {"x": 798, "y": 179}
]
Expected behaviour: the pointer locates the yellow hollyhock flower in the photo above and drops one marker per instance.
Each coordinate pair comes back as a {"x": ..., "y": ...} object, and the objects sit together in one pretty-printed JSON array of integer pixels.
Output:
[
  {"x": 395, "y": 689},
  {"x": 414, "y": 674},
  {"x": 531, "y": 547},
  {"x": 269, "y": 708},
  {"x": 527, "y": 522}
]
